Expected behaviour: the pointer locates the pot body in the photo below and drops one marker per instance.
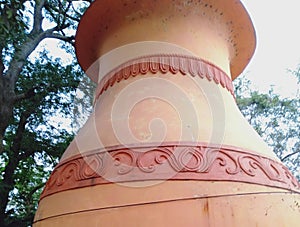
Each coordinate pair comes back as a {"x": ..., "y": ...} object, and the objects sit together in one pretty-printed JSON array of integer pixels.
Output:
[{"x": 166, "y": 144}]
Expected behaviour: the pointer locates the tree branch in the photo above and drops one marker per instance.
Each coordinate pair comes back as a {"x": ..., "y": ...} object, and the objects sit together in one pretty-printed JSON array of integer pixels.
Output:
[
  {"x": 38, "y": 16},
  {"x": 69, "y": 39},
  {"x": 20, "y": 131},
  {"x": 65, "y": 13},
  {"x": 1, "y": 63},
  {"x": 37, "y": 35},
  {"x": 28, "y": 94},
  {"x": 22, "y": 54},
  {"x": 34, "y": 190},
  {"x": 50, "y": 8},
  {"x": 289, "y": 155},
  {"x": 75, "y": 11}
]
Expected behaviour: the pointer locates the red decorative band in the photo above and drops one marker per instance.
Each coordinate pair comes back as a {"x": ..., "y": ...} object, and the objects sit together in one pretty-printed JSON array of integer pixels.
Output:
[
  {"x": 166, "y": 63},
  {"x": 169, "y": 162}
]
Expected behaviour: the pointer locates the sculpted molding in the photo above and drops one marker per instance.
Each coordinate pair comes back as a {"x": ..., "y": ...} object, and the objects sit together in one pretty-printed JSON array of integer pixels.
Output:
[
  {"x": 185, "y": 65},
  {"x": 169, "y": 162}
]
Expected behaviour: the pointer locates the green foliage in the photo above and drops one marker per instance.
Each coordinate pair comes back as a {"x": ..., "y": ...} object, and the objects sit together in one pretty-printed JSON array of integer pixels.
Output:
[
  {"x": 53, "y": 86},
  {"x": 13, "y": 22},
  {"x": 36, "y": 98},
  {"x": 276, "y": 119}
]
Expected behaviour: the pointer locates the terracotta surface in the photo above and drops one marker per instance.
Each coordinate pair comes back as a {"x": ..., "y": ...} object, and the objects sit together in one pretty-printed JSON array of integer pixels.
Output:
[
  {"x": 165, "y": 63},
  {"x": 222, "y": 28},
  {"x": 198, "y": 110},
  {"x": 198, "y": 203},
  {"x": 166, "y": 144},
  {"x": 189, "y": 161}
]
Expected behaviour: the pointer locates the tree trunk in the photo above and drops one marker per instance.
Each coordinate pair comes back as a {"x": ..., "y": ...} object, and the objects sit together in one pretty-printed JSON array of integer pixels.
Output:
[
  {"x": 6, "y": 186},
  {"x": 7, "y": 96}
]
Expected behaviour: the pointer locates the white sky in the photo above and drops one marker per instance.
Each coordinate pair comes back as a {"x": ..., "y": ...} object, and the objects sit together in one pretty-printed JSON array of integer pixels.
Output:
[{"x": 277, "y": 26}]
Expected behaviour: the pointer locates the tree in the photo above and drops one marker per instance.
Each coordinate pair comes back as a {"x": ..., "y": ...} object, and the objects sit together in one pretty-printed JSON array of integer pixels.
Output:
[
  {"x": 33, "y": 87},
  {"x": 276, "y": 119}
]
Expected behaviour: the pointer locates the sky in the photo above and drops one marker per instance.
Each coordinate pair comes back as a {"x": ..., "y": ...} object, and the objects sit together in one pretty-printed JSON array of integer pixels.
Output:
[{"x": 278, "y": 45}]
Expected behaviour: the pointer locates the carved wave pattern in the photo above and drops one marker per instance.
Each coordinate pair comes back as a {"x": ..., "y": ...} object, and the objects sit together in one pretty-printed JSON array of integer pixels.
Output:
[
  {"x": 164, "y": 64},
  {"x": 166, "y": 163}
]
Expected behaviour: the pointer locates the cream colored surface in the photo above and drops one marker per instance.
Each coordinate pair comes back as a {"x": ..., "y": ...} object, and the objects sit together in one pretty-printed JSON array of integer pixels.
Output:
[
  {"x": 204, "y": 204},
  {"x": 114, "y": 58},
  {"x": 183, "y": 108},
  {"x": 168, "y": 108},
  {"x": 206, "y": 40},
  {"x": 109, "y": 196}
]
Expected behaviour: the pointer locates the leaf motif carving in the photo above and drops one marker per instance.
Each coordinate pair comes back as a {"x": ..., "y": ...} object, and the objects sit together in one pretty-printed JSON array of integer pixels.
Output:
[
  {"x": 197, "y": 162},
  {"x": 165, "y": 63}
]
